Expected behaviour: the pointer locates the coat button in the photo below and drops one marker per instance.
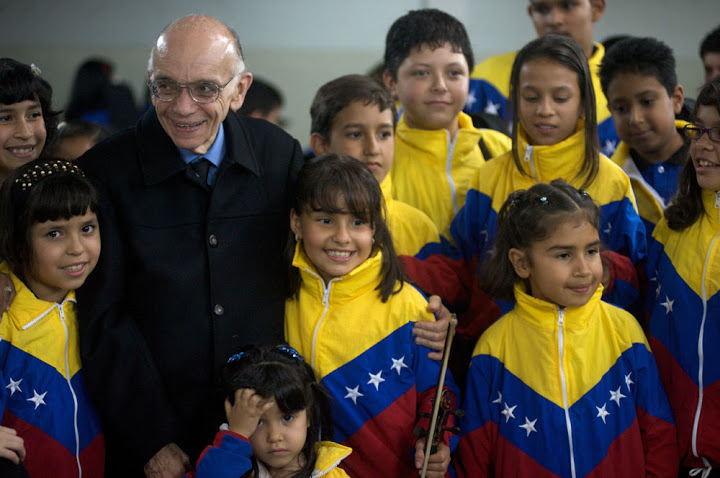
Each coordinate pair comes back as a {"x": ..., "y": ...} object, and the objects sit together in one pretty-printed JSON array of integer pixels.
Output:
[
  {"x": 661, "y": 169},
  {"x": 213, "y": 240},
  {"x": 218, "y": 309}
]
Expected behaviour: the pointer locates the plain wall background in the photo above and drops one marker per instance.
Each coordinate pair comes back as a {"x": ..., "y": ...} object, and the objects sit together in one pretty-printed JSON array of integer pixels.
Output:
[{"x": 300, "y": 44}]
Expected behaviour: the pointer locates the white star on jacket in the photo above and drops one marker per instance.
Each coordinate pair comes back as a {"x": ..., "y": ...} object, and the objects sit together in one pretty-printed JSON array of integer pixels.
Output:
[
  {"x": 353, "y": 394},
  {"x": 668, "y": 305},
  {"x": 492, "y": 108},
  {"x": 602, "y": 412},
  {"x": 398, "y": 364},
  {"x": 471, "y": 100},
  {"x": 628, "y": 381},
  {"x": 499, "y": 399},
  {"x": 37, "y": 399},
  {"x": 508, "y": 412},
  {"x": 14, "y": 386},
  {"x": 529, "y": 426},
  {"x": 609, "y": 147},
  {"x": 376, "y": 380},
  {"x": 616, "y": 396}
]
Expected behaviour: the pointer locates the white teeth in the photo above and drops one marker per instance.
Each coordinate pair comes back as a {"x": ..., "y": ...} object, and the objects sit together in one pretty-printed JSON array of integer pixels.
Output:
[
  {"x": 706, "y": 164},
  {"x": 188, "y": 125},
  {"x": 74, "y": 268},
  {"x": 338, "y": 254},
  {"x": 21, "y": 150}
]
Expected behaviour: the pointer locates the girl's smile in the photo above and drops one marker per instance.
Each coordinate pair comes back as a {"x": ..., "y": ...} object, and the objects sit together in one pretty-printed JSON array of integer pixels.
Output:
[{"x": 336, "y": 243}]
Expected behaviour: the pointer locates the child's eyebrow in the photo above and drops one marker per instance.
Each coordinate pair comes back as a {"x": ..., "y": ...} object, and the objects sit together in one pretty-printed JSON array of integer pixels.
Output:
[{"x": 10, "y": 109}]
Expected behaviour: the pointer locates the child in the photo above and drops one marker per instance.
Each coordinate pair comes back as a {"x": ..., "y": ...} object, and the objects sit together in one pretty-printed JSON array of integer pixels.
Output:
[
  {"x": 589, "y": 401},
  {"x": 263, "y": 100},
  {"x": 437, "y": 150},
  {"x": 50, "y": 241},
  {"x": 277, "y": 414},
  {"x": 490, "y": 80},
  {"x": 710, "y": 54},
  {"x": 74, "y": 138},
  {"x": 27, "y": 122},
  {"x": 355, "y": 115},
  {"x": 683, "y": 301},
  {"x": 554, "y": 135},
  {"x": 638, "y": 79},
  {"x": 350, "y": 314}
]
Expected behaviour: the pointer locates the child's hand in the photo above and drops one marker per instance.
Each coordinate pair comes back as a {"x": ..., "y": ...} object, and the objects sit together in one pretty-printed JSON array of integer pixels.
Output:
[
  {"x": 432, "y": 334},
  {"x": 438, "y": 462},
  {"x": 244, "y": 415},
  {"x": 7, "y": 292},
  {"x": 12, "y": 446}
]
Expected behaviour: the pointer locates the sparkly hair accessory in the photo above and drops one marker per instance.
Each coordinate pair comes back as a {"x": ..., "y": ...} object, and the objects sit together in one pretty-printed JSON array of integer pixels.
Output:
[
  {"x": 45, "y": 169},
  {"x": 543, "y": 199},
  {"x": 584, "y": 193},
  {"x": 36, "y": 71},
  {"x": 236, "y": 356}
]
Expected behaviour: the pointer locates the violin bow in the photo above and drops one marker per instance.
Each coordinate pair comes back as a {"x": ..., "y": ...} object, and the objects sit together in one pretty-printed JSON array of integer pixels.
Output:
[{"x": 438, "y": 393}]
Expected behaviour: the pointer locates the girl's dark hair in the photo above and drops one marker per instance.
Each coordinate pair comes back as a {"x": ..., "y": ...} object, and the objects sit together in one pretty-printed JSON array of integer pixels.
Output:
[
  {"x": 687, "y": 206},
  {"x": 21, "y": 82},
  {"x": 529, "y": 216},
  {"x": 280, "y": 372},
  {"x": 39, "y": 191},
  {"x": 563, "y": 51},
  {"x": 321, "y": 182}
]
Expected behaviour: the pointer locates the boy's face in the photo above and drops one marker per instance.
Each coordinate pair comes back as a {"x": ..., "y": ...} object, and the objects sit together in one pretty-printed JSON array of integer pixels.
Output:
[
  {"x": 432, "y": 86},
  {"x": 364, "y": 132},
  {"x": 711, "y": 63},
  {"x": 644, "y": 115},
  {"x": 573, "y": 18}
]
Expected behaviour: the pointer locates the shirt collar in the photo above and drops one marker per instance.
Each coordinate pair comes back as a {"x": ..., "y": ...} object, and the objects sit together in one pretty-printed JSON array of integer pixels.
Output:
[{"x": 215, "y": 154}]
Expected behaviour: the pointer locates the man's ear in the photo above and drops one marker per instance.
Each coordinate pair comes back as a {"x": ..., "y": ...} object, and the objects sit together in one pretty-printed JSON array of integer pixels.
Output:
[
  {"x": 520, "y": 262},
  {"x": 319, "y": 144},
  {"x": 598, "y": 9},
  {"x": 243, "y": 84},
  {"x": 678, "y": 98},
  {"x": 295, "y": 224},
  {"x": 390, "y": 84}
]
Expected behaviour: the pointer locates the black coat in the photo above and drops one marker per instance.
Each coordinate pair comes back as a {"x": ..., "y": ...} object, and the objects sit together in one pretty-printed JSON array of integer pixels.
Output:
[{"x": 187, "y": 275}]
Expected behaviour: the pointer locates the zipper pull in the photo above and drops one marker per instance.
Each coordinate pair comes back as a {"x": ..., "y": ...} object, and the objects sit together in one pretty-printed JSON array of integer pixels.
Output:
[
  {"x": 528, "y": 153},
  {"x": 717, "y": 199},
  {"x": 561, "y": 317},
  {"x": 326, "y": 293}
]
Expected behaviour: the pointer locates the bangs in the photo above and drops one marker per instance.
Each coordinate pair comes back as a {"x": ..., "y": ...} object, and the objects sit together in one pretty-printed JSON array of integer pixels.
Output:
[
  {"x": 62, "y": 197},
  {"x": 274, "y": 379},
  {"x": 357, "y": 202}
]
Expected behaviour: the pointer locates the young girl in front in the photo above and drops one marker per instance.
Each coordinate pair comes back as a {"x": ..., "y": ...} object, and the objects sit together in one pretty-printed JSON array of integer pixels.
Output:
[
  {"x": 50, "y": 242},
  {"x": 277, "y": 415},
  {"x": 564, "y": 384},
  {"x": 351, "y": 314},
  {"x": 554, "y": 135},
  {"x": 683, "y": 302}
]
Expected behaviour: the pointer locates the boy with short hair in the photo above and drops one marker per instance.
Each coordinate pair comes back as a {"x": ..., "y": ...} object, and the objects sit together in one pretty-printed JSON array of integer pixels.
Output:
[
  {"x": 490, "y": 79},
  {"x": 437, "y": 150},
  {"x": 355, "y": 115},
  {"x": 710, "y": 54},
  {"x": 639, "y": 80}
]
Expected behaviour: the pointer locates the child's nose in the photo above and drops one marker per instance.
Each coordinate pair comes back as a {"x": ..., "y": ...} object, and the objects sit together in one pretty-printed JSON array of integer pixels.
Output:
[
  {"x": 342, "y": 234},
  {"x": 23, "y": 130},
  {"x": 75, "y": 245},
  {"x": 371, "y": 145},
  {"x": 439, "y": 83}
]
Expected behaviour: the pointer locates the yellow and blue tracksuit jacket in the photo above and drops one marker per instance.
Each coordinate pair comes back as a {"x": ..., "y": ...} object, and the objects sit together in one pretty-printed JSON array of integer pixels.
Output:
[
  {"x": 565, "y": 392},
  {"x": 490, "y": 87},
  {"x": 452, "y": 275},
  {"x": 683, "y": 305},
  {"x": 411, "y": 229},
  {"x": 654, "y": 187},
  {"x": 432, "y": 171},
  {"x": 364, "y": 354},
  {"x": 43, "y": 395},
  {"x": 230, "y": 456}
]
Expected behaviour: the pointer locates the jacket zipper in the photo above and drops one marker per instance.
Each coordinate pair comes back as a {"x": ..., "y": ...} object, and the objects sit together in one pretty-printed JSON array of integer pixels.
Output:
[
  {"x": 701, "y": 350},
  {"x": 563, "y": 380},
  {"x": 326, "y": 305},
  {"x": 61, "y": 309},
  {"x": 448, "y": 171},
  {"x": 530, "y": 159}
]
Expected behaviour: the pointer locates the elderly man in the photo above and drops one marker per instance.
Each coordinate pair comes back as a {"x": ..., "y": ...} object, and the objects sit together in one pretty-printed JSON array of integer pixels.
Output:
[{"x": 194, "y": 221}]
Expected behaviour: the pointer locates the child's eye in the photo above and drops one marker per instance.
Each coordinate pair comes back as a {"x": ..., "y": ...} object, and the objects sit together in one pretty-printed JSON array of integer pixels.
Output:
[
  {"x": 5, "y": 118},
  {"x": 618, "y": 109},
  {"x": 647, "y": 102},
  {"x": 530, "y": 99},
  {"x": 563, "y": 255},
  {"x": 260, "y": 422},
  {"x": 354, "y": 134},
  {"x": 420, "y": 73},
  {"x": 288, "y": 418},
  {"x": 89, "y": 228},
  {"x": 36, "y": 115},
  {"x": 456, "y": 72},
  {"x": 561, "y": 99},
  {"x": 359, "y": 222},
  {"x": 593, "y": 251},
  {"x": 53, "y": 234},
  {"x": 385, "y": 134},
  {"x": 323, "y": 220}
]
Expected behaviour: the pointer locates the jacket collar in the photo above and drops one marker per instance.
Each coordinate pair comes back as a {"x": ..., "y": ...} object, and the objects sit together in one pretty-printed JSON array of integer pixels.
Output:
[
  {"x": 560, "y": 160},
  {"x": 160, "y": 158},
  {"x": 328, "y": 457},
  {"x": 430, "y": 141},
  {"x": 27, "y": 310},
  {"x": 360, "y": 280},
  {"x": 386, "y": 189},
  {"x": 544, "y": 315}
]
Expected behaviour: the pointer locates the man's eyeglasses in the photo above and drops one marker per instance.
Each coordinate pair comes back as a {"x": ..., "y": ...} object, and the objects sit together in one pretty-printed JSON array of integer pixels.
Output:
[
  {"x": 200, "y": 91},
  {"x": 695, "y": 132}
]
